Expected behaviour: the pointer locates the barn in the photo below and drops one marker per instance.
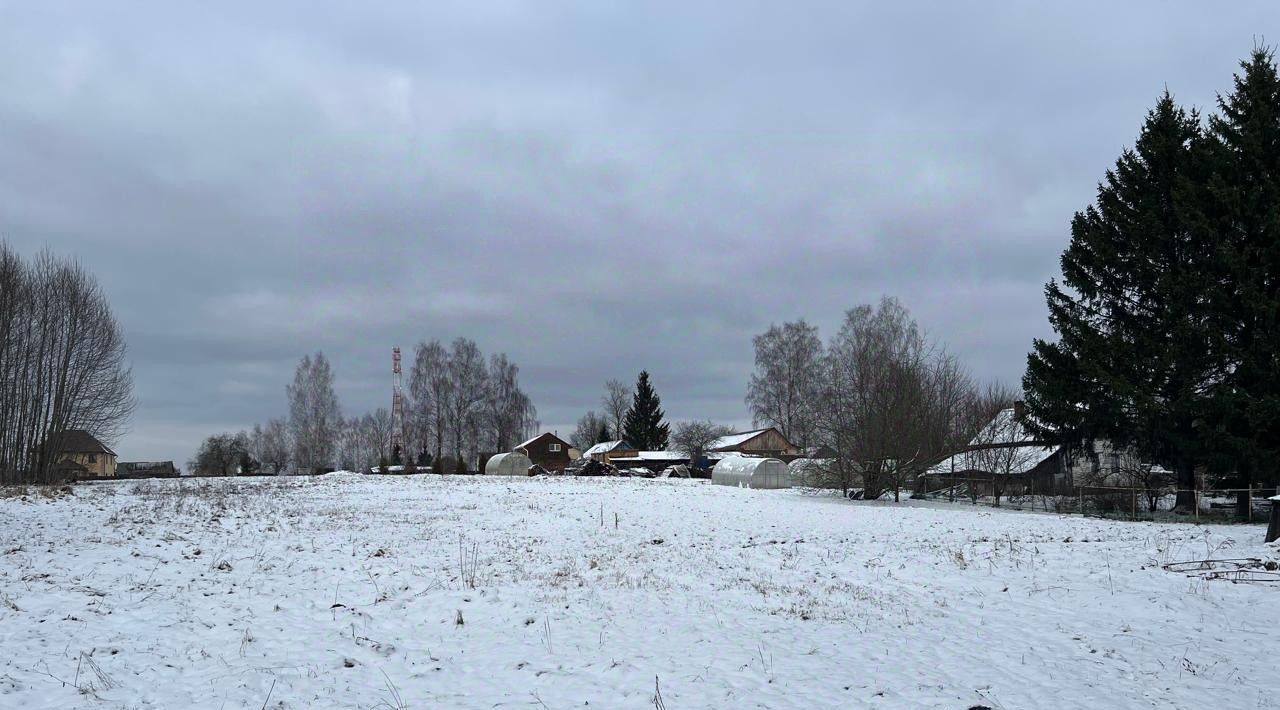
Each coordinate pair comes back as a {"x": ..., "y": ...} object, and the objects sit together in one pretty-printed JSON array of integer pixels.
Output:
[{"x": 757, "y": 442}]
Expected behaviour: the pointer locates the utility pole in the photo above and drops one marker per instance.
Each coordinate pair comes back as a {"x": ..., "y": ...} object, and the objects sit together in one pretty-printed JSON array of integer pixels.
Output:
[{"x": 397, "y": 406}]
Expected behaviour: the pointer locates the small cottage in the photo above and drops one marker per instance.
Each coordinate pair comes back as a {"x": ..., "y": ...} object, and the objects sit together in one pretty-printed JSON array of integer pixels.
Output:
[{"x": 546, "y": 450}]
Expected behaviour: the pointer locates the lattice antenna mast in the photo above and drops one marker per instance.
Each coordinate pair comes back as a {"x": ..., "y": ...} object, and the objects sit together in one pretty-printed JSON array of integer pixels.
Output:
[{"x": 397, "y": 404}]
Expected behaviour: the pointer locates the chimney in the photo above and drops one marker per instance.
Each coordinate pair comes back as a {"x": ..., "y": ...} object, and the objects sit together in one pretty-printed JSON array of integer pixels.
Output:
[{"x": 1019, "y": 410}]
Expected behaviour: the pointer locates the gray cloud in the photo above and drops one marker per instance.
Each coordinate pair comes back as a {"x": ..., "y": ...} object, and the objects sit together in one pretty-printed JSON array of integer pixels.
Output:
[{"x": 593, "y": 190}]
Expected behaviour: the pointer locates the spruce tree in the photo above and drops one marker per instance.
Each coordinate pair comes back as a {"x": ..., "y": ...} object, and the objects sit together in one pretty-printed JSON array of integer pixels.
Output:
[
  {"x": 643, "y": 426},
  {"x": 1245, "y": 191},
  {"x": 603, "y": 436},
  {"x": 1132, "y": 314}
]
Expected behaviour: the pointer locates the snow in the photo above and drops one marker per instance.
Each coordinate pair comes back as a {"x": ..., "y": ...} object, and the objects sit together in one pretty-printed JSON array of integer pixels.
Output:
[
  {"x": 1004, "y": 429},
  {"x": 420, "y": 591},
  {"x": 725, "y": 442},
  {"x": 652, "y": 456},
  {"x": 601, "y": 448}
]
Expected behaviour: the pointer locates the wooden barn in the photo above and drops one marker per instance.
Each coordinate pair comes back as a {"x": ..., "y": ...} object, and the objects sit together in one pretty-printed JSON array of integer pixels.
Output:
[{"x": 768, "y": 442}]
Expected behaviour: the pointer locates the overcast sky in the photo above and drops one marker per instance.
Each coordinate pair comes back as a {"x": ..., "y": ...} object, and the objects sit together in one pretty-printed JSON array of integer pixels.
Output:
[{"x": 592, "y": 188}]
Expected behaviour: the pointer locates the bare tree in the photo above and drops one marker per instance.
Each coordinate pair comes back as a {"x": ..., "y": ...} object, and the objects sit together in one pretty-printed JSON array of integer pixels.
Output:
[
  {"x": 616, "y": 402},
  {"x": 467, "y": 377},
  {"x": 376, "y": 430},
  {"x": 272, "y": 445},
  {"x": 890, "y": 399},
  {"x": 314, "y": 414},
  {"x": 695, "y": 438},
  {"x": 431, "y": 390},
  {"x": 62, "y": 365},
  {"x": 784, "y": 389},
  {"x": 587, "y": 433},
  {"x": 509, "y": 414}
]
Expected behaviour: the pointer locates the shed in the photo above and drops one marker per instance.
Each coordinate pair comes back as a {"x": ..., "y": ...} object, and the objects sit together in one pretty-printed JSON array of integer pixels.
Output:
[
  {"x": 751, "y": 473},
  {"x": 512, "y": 464}
]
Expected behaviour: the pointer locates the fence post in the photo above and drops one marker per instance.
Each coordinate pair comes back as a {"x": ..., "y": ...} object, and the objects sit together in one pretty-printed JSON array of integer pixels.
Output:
[
  {"x": 1133, "y": 503},
  {"x": 1080, "y": 500}
]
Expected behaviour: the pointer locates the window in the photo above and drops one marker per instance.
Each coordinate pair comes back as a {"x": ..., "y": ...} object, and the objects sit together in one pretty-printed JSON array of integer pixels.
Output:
[
  {"x": 553, "y": 448},
  {"x": 93, "y": 458}
]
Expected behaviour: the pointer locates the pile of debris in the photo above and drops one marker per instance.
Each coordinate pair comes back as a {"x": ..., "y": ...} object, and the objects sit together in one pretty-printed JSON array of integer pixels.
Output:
[
  {"x": 590, "y": 467},
  {"x": 1247, "y": 569}
]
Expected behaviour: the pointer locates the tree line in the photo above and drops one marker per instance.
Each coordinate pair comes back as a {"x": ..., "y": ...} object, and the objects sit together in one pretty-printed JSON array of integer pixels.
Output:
[
  {"x": 635, "y": 417},
  {"x": 458, "y": 404},
  {"x": 880, "y": 397},
  {"x": 62, "y": 364},
  {"x": 1168, "y": 313}
]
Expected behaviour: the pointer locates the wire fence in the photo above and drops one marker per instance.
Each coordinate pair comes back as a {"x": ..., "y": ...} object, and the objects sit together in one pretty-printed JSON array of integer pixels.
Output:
[{"x": 1166, "y": 504}]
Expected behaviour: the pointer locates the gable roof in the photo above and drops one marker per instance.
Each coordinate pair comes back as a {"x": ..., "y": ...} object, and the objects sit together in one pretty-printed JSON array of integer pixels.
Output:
[
  {"x": 78, "y": 441},
  {"x": 653, "y": 456},
  {"x": 606, "y": 446},
  {"x": 540, "y": 436},
  {"x": 1020, "y": 451},
  {"x": 740, "y": 438}
]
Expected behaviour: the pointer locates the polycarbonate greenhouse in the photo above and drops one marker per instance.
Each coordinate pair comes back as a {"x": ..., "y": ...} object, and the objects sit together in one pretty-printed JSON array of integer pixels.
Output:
[
  {"x": 512, "y": 464},
  {"x": 751, "y": 473}
]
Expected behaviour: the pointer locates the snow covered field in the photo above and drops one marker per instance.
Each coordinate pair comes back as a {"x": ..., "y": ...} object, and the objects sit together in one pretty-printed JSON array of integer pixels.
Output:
[{"x": 426, "y": 592}]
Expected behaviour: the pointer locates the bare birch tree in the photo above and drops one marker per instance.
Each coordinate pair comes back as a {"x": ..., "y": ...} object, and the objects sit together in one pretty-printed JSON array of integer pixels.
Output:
[
  {"x": 467, "y": 375},
  {"x": 431, "y": 390},
  {"x": 784, "y": 388},
  {"x": 314, "y": 414},
  {"x": 62, "y": 364},
  {"x": 508, "y": 412}
]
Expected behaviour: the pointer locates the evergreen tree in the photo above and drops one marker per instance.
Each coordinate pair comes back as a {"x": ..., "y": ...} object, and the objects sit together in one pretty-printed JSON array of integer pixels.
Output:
[
  {"x": 603, "y": 436},
  {"x": 1245, "y": 191},
  {"x": 643, "y": 426},
  {"x": 1133, "y": 363}
]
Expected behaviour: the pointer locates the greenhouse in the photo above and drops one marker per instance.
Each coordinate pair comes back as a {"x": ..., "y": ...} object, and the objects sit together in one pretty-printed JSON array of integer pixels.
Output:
[
  {"x": 751, "y": 473},
  {"x": 512, "y": 464}
]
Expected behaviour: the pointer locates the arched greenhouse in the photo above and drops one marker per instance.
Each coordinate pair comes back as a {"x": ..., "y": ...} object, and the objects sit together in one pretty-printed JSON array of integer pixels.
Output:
[
  {"x": 511, "y": 464},
  {"x": 751, "y": 473}
]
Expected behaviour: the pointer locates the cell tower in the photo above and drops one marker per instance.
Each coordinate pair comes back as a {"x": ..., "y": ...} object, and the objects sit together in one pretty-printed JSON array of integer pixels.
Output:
[{"x": 397, "y": 404}]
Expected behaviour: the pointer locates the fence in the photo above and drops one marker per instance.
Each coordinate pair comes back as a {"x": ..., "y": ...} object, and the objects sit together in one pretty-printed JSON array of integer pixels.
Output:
[{"x": 1221, "y": 505}]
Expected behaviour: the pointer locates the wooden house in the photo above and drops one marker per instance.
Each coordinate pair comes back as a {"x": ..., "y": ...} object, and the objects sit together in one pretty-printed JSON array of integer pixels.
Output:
[{"x": 546, "y": 450}]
